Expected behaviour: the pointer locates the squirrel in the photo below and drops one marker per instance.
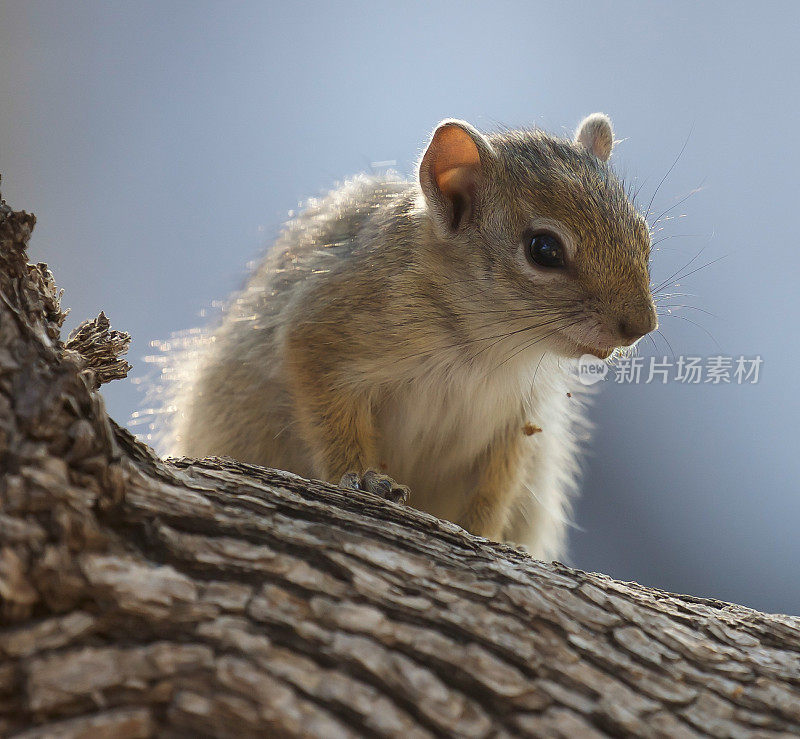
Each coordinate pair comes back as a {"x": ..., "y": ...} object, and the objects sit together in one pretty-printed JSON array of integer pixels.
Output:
[{"x": 419, "y": 335}]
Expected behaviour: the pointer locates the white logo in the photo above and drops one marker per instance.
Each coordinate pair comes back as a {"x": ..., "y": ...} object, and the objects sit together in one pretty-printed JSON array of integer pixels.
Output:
[{"x": 591, "y": 369}]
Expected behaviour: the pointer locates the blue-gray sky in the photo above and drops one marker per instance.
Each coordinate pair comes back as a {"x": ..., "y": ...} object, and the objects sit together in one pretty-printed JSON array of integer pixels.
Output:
[{"x": 161, "y": 145}]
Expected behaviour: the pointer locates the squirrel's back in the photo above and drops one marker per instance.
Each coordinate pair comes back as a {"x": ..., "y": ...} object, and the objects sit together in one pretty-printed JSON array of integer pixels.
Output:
[{"x": 242, "y": 356}]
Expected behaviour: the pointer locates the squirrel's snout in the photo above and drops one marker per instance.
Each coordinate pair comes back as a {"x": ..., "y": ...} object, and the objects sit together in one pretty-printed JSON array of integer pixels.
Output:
[{"x": 636, "y": 324}]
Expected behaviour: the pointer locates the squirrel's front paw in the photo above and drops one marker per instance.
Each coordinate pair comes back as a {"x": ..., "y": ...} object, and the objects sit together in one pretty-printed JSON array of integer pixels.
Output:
[{"x": 378, "y": 483}]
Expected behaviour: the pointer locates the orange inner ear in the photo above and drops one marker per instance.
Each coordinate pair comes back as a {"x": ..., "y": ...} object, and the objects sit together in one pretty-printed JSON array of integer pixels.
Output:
[
  {"x": 455, "y": 156},
  {"x": 455, "y": 180}
]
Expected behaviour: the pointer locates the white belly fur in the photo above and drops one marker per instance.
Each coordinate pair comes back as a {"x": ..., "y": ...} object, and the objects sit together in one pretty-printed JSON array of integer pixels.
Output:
[{"x": 432, "y": 441}]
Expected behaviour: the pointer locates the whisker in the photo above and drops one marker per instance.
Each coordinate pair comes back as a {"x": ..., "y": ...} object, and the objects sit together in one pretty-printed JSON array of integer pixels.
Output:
[
  {"x": 464, "y": 344},
  {"x": 700, "y": 326},
  {"x": 694, "y": 271},
  {"x": 658, "y": 331},
  {"x": 689, "y": 307},
  {"x": 664, "y": 178},
  {"x": 664, "y": 296},
  {"x": 662, "y": 239},
  {"x": 540, "y": 325},
  {"x": 531, "y": 344},
  {"x": 675, "y": 274},
  {"x": 536, "y": 371},
  {"x": 680, "y": 202}
]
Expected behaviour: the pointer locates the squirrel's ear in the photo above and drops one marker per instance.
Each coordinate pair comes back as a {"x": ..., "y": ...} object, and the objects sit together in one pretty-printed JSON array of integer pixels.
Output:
[
  {"x": 450, "y": 172},
  {"x": 596, "y": 135}
]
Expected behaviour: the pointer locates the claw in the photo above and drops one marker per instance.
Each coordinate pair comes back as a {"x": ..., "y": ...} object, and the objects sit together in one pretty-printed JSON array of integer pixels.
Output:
[
  {"x": 377, "y": 483},
  {"x": 350, "y": 481}
]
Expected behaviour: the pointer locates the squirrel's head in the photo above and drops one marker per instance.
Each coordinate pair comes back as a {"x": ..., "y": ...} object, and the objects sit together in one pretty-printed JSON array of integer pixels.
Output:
[{"x": 546, "y": 230}]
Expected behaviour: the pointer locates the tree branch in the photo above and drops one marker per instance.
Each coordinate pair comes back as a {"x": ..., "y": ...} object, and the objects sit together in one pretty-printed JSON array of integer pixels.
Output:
[{"x": 206, "y": 597}]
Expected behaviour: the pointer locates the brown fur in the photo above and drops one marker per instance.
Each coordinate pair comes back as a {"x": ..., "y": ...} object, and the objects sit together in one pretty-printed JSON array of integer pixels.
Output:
[{"x": 398, "y": 326}]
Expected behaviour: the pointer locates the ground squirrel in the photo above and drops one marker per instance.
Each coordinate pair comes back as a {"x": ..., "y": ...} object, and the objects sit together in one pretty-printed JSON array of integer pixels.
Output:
[{"x": 426, "y": 330}]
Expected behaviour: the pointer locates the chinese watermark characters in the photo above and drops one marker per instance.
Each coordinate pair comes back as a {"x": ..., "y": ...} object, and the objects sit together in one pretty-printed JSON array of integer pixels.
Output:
[{"x": 714, "y": 370}]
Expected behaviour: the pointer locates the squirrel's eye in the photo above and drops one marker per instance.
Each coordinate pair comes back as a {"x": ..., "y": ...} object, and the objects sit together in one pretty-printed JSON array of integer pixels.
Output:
[{"x": 546, "y": 250}]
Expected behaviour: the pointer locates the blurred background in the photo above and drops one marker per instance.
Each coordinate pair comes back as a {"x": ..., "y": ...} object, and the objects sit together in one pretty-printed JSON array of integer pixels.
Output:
[{"x": 162, "y": 144}]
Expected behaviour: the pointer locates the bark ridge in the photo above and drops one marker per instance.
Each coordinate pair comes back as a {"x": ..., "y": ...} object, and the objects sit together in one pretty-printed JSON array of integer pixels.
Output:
[{"x": 143, "y": 598}]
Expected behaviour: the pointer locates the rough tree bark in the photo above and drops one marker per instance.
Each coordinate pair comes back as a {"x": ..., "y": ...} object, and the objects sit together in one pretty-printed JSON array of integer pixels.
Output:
[{"x": 204, "y": 597}]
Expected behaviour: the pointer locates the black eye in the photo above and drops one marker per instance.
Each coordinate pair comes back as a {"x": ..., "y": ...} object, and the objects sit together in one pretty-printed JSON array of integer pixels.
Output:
[{"x": 546, "y": 250}]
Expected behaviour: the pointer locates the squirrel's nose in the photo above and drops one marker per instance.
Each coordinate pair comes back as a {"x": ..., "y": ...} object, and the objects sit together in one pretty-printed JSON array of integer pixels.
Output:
[{"x": 634, "y": 326}]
